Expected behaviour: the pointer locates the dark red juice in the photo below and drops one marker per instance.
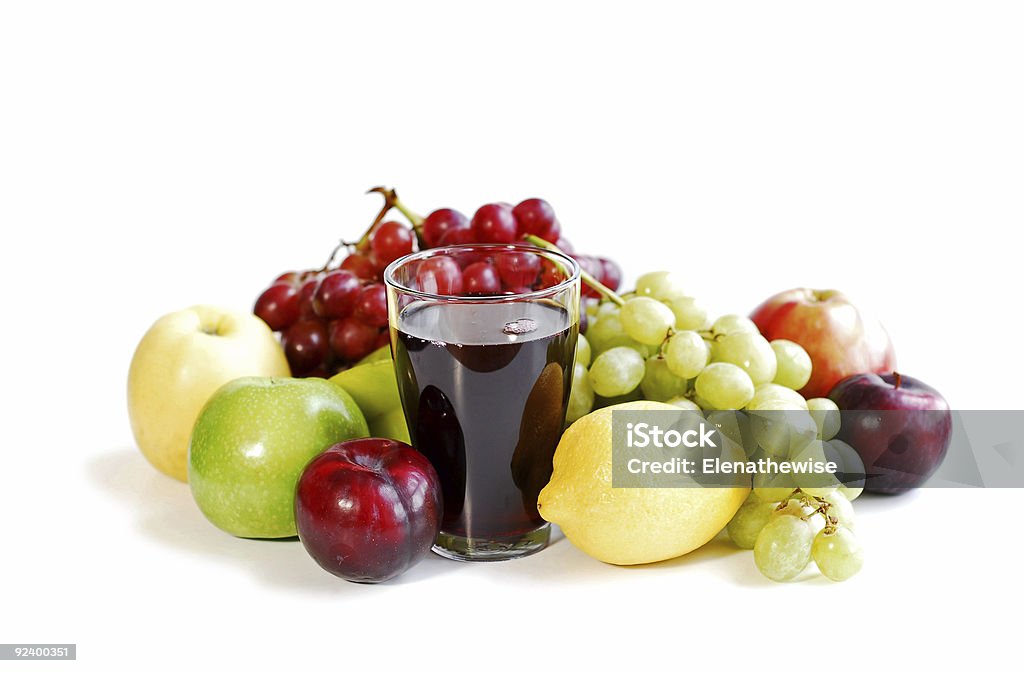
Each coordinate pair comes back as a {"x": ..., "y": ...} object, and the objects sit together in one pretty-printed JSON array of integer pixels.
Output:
[{"x": 485, "y": 388}]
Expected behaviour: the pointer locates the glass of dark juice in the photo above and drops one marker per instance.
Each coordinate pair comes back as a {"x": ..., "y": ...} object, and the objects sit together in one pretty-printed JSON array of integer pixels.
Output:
[{"x": 484, "y": 339}]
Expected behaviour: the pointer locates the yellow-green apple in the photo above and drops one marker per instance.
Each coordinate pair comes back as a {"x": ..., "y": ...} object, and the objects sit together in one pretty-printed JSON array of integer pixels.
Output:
[
  {"x": 372, "y": 384},
  {"x": 838, "y": 336},
  {"x": 251, "y": 442},
  {"x": 180, "y": 362}
]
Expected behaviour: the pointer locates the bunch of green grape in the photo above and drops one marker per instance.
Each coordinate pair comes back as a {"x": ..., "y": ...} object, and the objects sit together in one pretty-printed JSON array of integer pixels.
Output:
[
  {"x": 660, "y": 344},
  {"x": 805, "y": 524}
]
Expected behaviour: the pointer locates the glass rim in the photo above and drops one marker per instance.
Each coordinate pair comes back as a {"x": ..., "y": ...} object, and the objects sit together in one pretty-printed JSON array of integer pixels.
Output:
[{"x": 392, "y": 282}]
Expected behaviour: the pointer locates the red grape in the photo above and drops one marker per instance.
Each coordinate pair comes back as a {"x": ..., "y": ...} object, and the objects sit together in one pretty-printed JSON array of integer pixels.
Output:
[
  {"x": 372, "y": 305},
  {"x": 518, "y": 268},
  {"x": 306, "y": 292},
  {"x": 555, "y": 233},
  {"x": 439, "y": 275},
  {"x": 336, "y": 294},
  {"x": 383, "y": 339},
  {"x": 494, "y": 223},
  {"x": 517, "y": 289},
  {"x": 457, "y": 237},
  {"x": 351, "y": 339},
  {"x": 611, "y": 274},
  {"x": 441, "y": 221},
  {"x": 305, "y": 346},
  {"x": 550, "y": 275},
  {"x": 592, "y": 266},
  {"x": 390, "y": 241},
  {"x": 278, "y": 306},
  {"x": 537, "y": 217},
  {"x": 564, "y": 245},
  {"x": 481, "y": 278},
  {"x": 361, "y": 265},
  {"x": 289, "y": 277}
]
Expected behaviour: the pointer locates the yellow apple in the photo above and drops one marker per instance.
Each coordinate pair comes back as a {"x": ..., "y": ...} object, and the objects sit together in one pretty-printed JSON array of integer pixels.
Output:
[{"x": 180, "y": 362}]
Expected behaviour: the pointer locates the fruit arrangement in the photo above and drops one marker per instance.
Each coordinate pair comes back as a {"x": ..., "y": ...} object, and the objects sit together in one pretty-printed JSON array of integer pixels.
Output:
[
  {"x": 332, "y": 317},
  {"x": 237, "y": 405}
]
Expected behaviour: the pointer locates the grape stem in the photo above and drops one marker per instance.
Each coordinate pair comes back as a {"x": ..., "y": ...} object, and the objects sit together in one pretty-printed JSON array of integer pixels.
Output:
[
  {"x": 334, "y": 253},
  {"x": 591, "y": 282},
  {"x": 392, "y": 201},
  {"x": 820, "y": 505}
]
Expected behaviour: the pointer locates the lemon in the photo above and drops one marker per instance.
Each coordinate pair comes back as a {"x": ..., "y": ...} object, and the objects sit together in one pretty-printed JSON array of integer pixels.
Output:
[{"x": 626, "y": 526}]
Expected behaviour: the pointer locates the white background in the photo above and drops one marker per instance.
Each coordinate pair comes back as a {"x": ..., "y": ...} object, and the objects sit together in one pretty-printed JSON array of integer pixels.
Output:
[{"x": 157, "y": 155}]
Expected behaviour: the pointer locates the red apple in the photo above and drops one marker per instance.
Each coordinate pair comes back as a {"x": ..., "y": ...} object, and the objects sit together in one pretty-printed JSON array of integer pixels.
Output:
[
  {"x": 368, "y": 509},
  {"x": 900, "y": 426},
  {"x": 840, "y": 339}
]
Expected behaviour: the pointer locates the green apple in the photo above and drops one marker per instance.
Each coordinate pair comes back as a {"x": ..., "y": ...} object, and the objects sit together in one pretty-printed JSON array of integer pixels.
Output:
[
  {"x": 251, "y": 443},
  {"x": 180, "y": 362}
]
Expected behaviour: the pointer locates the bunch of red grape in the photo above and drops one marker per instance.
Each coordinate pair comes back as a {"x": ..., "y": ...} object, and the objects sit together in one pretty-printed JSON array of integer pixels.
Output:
[
  {"x": 331, "y": 318},
  {"x": 503, "y": 223}
]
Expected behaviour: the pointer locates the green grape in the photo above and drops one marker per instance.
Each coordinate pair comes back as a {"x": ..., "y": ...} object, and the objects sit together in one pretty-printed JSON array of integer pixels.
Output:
[
  {"x": 732, "y": 323},
  {"x": 851, "y": 492},
  {"x": 748, "y": 522},
  {"x": 728, "y": 423},
  {"x": 607, "y": 333},
  {"x": 791, "y": 507},
  {"x": 690, "y": 313},
  {"x": 783, "y": 548},
  {"x": 770, "y": 393},
  {"x": 736, "y": 427},
  {"x": 684, "y": 403},
  {"x": 582, "y": 351},
  {"x": 617, "y": 371},
  {"x": 591, "y": 306},
  {"x": 811, "y": 483},
  {"x": 703, "y": 403},
  {"x": 660, "y": 384},
  {"x": 647, "y": 320},
  {"x": 820, "y": 491},
  {"x": 686, "y": 354},
  {"x": 601, "y": 402},
  {"x": 581, "y": 395},
  {"x": 780, "y": 430},
  {"x": 826, "y": 416},
  {"x": 771, "y": 433},
  {"x": 771, "y": 487},
  {"x": 748, "y": 350},
  {"x": 794, "y": 369},
  {"x": 838, "y": 554},
  {"x": 841, "y": 508},
  {"x": 659, "y": 284},
  {"x": 725, "y": 386},
  {"x": 851, "y": 468},
  {"x": 607, "y": 308}
]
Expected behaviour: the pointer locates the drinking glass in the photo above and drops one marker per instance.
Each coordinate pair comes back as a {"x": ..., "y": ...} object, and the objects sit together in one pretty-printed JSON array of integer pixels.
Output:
[{"x": 484, "y": 339}]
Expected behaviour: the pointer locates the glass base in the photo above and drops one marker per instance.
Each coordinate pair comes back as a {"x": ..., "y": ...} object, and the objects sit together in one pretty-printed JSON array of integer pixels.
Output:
[{"x": 460, "y": 548}]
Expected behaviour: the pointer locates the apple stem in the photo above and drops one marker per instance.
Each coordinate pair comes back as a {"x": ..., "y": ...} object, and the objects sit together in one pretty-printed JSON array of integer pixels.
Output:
[
  {"x": 899, "y": 380},
  {"x": 591, "y": 282}
]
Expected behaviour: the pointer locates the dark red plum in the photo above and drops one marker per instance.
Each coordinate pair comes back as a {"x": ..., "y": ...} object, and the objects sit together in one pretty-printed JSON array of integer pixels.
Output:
[
  {"x": 368, "y": 509},
  {"x": 900, "y": 426}
]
